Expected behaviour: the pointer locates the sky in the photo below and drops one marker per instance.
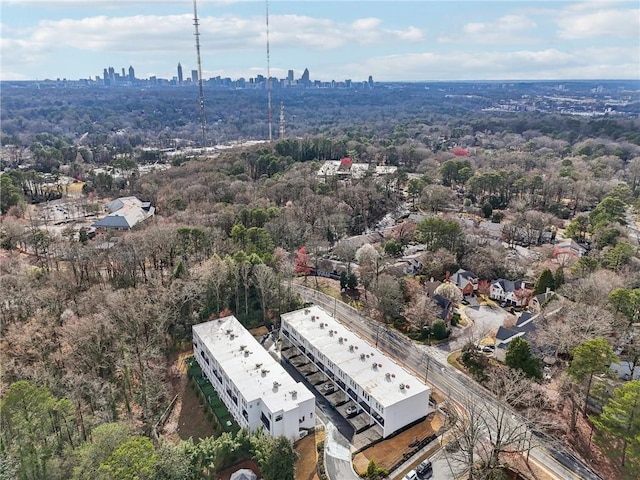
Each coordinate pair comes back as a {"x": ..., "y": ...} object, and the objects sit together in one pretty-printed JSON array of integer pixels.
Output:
[{"x": 420, "y": 40}]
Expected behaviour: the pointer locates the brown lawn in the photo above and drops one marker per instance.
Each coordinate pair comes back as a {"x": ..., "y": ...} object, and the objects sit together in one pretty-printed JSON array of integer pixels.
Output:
[
  {"x": 307, "y": 464},
  {"x": 388, "y": 452}
]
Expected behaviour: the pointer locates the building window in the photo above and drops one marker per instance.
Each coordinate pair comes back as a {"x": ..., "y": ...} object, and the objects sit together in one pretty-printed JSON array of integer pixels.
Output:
[
  {"x": 278, "y": 418},
  {"x": 266, "y": 422}
]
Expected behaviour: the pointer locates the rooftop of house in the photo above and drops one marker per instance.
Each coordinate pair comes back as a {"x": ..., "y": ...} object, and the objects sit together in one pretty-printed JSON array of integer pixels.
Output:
[
  {"x": 126, "y": 212},
  {"x": 253, "y": 370},
  {"x": 380, "y": 376}
]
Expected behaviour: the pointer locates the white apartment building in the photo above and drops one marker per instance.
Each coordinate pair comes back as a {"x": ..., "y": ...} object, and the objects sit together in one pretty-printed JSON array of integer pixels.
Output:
[
  {"x": 255, "y": 388},
  {"x": 389, "y": 394}
]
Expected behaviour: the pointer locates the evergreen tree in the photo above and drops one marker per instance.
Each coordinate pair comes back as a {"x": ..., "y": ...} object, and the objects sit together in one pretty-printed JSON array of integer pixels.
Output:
[
  {"x": 519, "y": 356},
  {"x": 558, "y": 278},
  {"x": 545, "y": 280}
]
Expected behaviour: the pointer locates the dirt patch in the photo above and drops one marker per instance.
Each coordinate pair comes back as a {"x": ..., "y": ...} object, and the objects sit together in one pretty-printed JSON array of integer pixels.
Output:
[
  {"x": 307, "y": 464},
  {"x": 187, "y": 419},
  {"x": 388, "y": 452}
]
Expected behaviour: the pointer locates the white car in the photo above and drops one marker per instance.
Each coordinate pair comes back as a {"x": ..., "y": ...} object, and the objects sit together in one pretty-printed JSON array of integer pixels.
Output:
[
  {"x": 352, "y": 410},
  {"x": 412, "y": 475}
]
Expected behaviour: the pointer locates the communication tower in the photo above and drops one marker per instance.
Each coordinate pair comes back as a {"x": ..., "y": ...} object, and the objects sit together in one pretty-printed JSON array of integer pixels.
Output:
[
  {"x": 281, "y": 131},
  {"x": 268, "y": 77},
  {"x": 203, "y": 118}
]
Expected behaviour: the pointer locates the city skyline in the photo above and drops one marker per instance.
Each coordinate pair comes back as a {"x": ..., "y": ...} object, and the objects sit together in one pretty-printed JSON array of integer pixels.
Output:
[{"x": 392, "y": 41}]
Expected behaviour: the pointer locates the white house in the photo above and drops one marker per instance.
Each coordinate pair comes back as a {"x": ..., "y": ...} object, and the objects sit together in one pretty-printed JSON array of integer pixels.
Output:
[
  {"x": 386, "y": 392},
  {"x": 506, "y": 291},
  {"x": 254, "y": 387}
]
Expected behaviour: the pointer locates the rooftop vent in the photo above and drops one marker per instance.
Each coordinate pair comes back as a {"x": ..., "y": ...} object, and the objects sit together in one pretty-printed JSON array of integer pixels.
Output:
[
  {"x": 294, "y": 394},
  {"x": 242, "y": 347},
  {"x": 246, "y": 353},
  {"x": 258, "y": 365},
  {"x": 264, "y": 371},
  {"x": 232, "y": 336},
  {"x": 276, "y": 385},
  {"x": 307, "y": 311}
]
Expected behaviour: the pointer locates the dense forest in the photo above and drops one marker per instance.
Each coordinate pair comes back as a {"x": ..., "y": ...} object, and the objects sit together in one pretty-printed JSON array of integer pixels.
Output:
[{"x": 89, "y": 332}]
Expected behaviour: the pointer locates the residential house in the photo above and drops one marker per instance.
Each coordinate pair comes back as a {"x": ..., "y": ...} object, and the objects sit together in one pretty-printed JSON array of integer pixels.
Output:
[
  {"x": 509, "y": 291},
  {"x": 466, "y": 281},
  {"x": 567, "y": 252},
  {"x": 523, "y": 328},
  {"x": 539, "y": 301},
  {"x": 445, "y": 307}
]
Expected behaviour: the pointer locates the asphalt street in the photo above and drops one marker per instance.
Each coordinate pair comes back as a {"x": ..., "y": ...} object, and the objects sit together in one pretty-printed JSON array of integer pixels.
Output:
[{"x": 430, "y": 364}]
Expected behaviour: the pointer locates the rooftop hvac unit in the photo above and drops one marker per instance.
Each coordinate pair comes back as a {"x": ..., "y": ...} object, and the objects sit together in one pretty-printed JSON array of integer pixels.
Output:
[
  {"x": 402, "y": 386},
  {"x": 258, "y": 365},
  {"x": 228, "y": 331},
  {"x": 362, "y": 356},
  {"x": 276, "y": 384},
  {"x": 340, "y": 340},
  {"x": 321, "y": 325},
  {"x": 232, "y": 336},
  {"x": 331, "y": 333},
  {"x": 242, "y": 347},
  {"x": 387, "y": 375},
  {"x": 313, "y": 318},
  {"x": 351, "y": 348},
  {"x": 307, "y": 311},
  {"x": 264, "y": 371},
  {"x": 375, "y": 365},
  {"x": 246, "y": 353},
  {"x": 294, "y": 394}
]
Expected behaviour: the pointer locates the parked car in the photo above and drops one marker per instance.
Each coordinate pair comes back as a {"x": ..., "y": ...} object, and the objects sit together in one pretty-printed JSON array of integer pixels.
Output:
[
  {"x": 328, "y": 388},
  {"x": 488, "y": 348},
  {"x": 352, "y": 410},
  {"x": 412, "y": 475},
  {"x": 425, "y": 469}
]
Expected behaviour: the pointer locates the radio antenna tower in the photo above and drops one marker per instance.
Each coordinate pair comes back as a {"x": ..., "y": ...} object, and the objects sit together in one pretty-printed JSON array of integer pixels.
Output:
[
  {"x": 203, "y": 118},
  {"x": 281, "y": 132},
  {"x": 268, "y": 78}
]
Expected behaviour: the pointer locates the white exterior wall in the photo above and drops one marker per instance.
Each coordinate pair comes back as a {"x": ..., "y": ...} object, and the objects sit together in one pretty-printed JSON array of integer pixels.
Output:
[
  {"x": 376, "y": 387},
  {"x": 405, "y": 411},
  {"x": 233, "y": 371}
]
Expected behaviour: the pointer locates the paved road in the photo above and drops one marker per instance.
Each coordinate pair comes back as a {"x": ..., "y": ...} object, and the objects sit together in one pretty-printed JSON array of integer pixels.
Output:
[{"x": 430, "y": 362}]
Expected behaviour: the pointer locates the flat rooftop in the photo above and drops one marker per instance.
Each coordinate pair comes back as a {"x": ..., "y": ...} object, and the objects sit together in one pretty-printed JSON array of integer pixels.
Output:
[
  {"x": 252, "y": 369},
  {"x": 355, "y": 356}
]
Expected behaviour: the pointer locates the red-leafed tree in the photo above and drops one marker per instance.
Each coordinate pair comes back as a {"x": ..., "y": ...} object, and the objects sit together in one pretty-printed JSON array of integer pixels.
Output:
[
  {"x": 484, "y": 287},
  {"x": 303, "y": 262}
]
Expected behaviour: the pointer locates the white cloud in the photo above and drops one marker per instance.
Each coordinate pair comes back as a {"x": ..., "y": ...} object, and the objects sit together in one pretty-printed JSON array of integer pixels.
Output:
[
  {"x": 506, "y": 29},
  {"x": 621, "y": 23},
  {"x": 498, "y": 65}
]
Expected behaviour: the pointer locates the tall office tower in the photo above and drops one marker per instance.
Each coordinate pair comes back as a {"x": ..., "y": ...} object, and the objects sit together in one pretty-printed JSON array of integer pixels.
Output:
[
  {"x": 179, "y": 74},
  {"x": 194, "y": 76},
  {"x": 305, "y": 77},
  {"x": 370, "y": 81},
  {"x": 290, "y": 77},
  {"x": 123, "y": 74},
  {"x": 105, "y": 75},
  {"x": 112, "y": 75},
  {"x": 132, "y": 74}
]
